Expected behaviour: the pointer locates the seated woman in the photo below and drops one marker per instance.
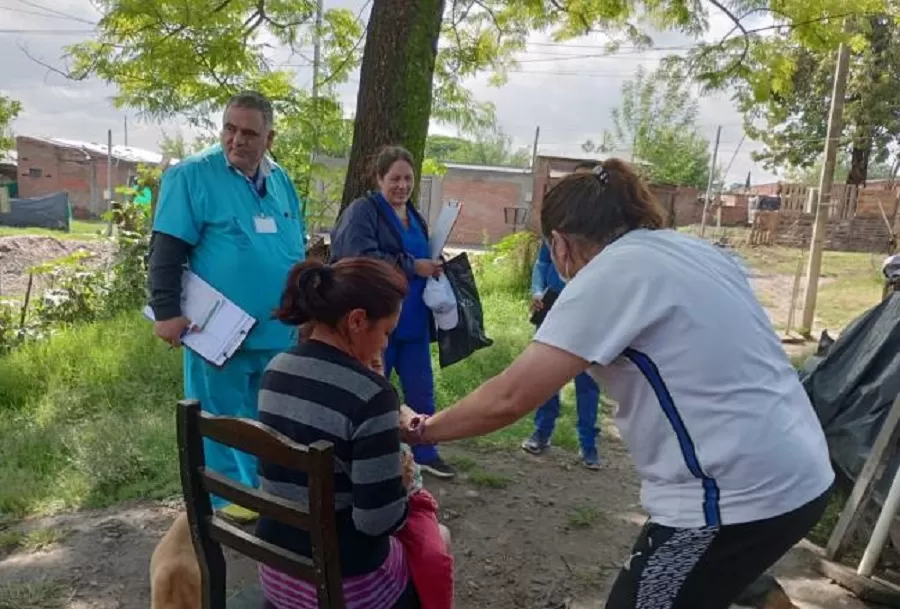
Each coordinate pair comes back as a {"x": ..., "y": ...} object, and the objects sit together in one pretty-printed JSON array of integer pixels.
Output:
[{"x": 323, "y": 389}]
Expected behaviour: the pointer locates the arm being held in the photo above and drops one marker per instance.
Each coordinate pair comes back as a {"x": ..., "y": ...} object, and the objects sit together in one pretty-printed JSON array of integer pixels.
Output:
[{"x": 538, "y": 373}]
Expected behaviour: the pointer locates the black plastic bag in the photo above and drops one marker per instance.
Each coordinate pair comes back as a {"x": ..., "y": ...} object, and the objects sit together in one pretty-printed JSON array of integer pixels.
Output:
[{"x": 468, "y": 336}]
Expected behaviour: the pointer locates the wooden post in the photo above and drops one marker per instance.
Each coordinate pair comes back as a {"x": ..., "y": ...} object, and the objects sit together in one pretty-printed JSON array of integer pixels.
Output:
[
  {"x": 835, "y": 123},
  {"x": 864, "y": 483},
  {"x": 709, "y": 184}
]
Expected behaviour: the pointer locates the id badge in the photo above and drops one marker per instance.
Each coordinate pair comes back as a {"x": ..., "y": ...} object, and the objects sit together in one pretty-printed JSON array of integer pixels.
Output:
[{"x": 265, "y": 224}]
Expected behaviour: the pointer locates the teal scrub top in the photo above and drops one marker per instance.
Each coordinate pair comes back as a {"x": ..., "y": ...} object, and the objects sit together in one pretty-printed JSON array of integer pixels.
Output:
[{"x": 213, "y": 207}]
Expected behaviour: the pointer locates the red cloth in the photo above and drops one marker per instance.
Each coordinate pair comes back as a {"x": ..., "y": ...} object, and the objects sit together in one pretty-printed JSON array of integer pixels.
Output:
[{"x": 430, "y": 561}]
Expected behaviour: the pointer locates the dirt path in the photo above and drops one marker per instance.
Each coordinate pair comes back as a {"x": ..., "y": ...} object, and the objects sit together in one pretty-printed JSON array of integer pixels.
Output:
[{"x": 528, "y": 532}]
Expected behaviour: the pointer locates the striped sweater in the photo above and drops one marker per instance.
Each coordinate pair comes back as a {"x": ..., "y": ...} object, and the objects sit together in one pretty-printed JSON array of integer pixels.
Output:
[{"x": 316, "y": 392}]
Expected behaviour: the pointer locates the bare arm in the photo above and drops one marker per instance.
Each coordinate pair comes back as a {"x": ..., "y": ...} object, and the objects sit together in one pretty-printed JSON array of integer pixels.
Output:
[{"x": 538, "y": 373}]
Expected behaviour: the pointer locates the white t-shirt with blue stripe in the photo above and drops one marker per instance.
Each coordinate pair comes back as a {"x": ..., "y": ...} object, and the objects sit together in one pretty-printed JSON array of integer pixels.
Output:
[{"x": 715, "y": 417}]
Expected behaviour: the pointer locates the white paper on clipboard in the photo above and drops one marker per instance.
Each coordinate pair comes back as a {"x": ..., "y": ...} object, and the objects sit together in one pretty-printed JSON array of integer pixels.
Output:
[{"x": 440, "y": 232}]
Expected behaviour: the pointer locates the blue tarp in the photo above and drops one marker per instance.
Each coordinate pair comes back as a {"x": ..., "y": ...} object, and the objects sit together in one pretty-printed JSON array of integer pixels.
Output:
[{"x": 50, "y": 211}]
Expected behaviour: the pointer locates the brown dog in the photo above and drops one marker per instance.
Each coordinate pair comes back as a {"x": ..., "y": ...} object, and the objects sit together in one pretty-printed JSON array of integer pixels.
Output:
[{"x": 174, "y": 571}]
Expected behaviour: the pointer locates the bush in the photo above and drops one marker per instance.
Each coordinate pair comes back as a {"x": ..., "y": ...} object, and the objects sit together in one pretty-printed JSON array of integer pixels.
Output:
[{"x": 507, "y": 266}]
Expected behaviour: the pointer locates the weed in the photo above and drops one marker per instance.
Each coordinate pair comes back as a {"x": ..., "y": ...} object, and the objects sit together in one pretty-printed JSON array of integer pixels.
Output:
[
  {"x": 462, "y": 463},
  {"x": 486, "y": 479},
  {"x": 39, "y": 594},
  {"x": 583, "y": 517},
  {"x": 10, "y": 540}
]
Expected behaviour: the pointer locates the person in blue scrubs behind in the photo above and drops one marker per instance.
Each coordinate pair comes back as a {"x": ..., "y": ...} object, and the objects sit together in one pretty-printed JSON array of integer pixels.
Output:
[
  {"x": 546, "y": 285},
  {"x": 384, "y": 224},
  {"x": 233, "y": 217}
]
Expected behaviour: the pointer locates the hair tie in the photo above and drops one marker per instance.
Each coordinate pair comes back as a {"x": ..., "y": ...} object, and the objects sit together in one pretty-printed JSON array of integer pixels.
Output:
[
  {"x": 601, "y": 174},
  {"x": 317, "y": 278}
]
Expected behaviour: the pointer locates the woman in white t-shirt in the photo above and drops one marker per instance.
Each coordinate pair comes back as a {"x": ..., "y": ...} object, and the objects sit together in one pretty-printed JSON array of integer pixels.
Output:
[{"x": 733, "y": 461}]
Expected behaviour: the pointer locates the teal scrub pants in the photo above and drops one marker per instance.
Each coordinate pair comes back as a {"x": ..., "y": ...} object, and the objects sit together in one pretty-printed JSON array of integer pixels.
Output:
[{"x": 228, "y": 391}]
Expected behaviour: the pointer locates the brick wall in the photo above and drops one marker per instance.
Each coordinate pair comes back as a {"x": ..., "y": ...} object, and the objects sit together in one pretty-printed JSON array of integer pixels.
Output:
[
  {"x": 858, "y": 234},
  {"x": 872, "y": 201},
  {"x": 484, "y": 196},
  {"x": 45, "y": 168}
]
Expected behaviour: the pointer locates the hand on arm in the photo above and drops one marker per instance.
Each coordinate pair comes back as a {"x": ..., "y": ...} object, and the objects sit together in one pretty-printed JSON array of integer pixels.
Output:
[{"x": 539, "y": 372}]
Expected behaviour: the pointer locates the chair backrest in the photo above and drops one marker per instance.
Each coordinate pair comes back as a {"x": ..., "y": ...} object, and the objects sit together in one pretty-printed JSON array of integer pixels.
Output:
[{"x": 210, "y": 532}]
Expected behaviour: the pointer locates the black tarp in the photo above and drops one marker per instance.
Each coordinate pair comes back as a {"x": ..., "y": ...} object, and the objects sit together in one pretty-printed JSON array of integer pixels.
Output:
[
  {"x": 852, "y": 383},
  {"x": 50, "y": 211}
]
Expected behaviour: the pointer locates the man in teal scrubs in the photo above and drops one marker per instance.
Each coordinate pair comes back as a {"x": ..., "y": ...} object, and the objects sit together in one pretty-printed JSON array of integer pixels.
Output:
[{"x": 233, "y": 217}]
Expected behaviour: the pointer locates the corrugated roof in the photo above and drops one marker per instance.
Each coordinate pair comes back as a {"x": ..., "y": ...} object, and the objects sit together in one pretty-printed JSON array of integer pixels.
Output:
[
  {"x": 496, "y": 168},
  {"x": 128, "y": 154}
]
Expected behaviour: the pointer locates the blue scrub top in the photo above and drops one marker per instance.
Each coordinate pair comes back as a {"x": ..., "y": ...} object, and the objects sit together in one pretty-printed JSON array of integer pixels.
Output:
[
  {"x": 413, "y": 323},
  {"x": 543, "y": 274},
  {"x": 212, "y": 206}
]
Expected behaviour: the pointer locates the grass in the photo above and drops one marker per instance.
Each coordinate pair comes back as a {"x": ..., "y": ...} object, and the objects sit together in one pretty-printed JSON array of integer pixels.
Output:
[
  {"x": 80, "y": 230},
  {"x": 486, "y": 479},
  {"x": 583, "y": 517},
  {"x": 87, "y": 419},
  {"x": 30, "y": 541},
  {"x": 850, "y": 283},
  {"x": 41, "y": 594}
]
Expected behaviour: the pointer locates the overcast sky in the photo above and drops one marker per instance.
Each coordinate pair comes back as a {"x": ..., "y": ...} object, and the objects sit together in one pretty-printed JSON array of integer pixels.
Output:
[{"x": 568, "y": 95}]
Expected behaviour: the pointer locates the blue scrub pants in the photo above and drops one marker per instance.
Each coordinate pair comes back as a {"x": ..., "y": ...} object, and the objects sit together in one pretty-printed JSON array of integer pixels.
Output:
[
  {"x": 228, "y": 391},
  {"x": 587, "y": 400},
  {"x": 412, "y": 361}
]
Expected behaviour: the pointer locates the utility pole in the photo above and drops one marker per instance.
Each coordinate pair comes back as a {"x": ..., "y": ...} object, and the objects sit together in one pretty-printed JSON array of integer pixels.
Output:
[
  {"x": 817, "y": 242},
  {"x": 317, "y": 66},
  {"x": 709, "y": 184},
  {"x": 126, "y": 129},
  {"x": 534, "y": 149}
]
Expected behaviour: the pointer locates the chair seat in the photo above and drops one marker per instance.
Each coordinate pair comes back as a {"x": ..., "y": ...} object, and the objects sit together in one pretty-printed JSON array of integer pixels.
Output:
[{"x": 249, "y": 597}]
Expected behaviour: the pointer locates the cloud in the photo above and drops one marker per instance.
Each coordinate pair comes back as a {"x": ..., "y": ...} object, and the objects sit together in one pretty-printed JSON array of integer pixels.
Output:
[{"x": 569, "y": 95}]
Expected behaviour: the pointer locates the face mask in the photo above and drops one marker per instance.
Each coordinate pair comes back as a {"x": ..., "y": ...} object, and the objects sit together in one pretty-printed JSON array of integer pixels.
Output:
[{"x": 561, "y": 270}]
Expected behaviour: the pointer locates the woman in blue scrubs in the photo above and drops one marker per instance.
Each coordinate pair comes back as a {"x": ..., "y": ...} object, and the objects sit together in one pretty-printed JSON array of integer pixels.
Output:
[{"x": 384, "y": 224}]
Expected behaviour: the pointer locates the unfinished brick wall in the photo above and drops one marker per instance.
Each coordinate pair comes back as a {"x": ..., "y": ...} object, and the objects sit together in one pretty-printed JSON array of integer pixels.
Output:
[
  {"x": 857, "y": 234},
  {"x": 45, "y": 168},
  {"x": 484, "y": 198}
]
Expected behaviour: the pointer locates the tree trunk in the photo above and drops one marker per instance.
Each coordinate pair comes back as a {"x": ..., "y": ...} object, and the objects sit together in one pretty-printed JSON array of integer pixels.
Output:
[
  {"x": 859, "y": 164},
  {"x": 393, "y": 104}
]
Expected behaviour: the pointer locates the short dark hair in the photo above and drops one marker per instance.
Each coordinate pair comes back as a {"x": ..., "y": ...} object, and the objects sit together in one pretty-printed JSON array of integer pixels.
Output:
[
  {"x": 389, "y": 155},
  {"x": 321, "y": 293},
  {"x": 586, "y": 165},
  {"x": 253, "y": 100},
  {"x": 601, "y": 206}
]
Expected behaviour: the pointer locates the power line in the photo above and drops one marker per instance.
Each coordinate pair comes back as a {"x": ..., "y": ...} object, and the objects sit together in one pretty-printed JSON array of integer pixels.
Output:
[
  {"x": 16, "y": 31},
  {"x": 54, "y": 11}
]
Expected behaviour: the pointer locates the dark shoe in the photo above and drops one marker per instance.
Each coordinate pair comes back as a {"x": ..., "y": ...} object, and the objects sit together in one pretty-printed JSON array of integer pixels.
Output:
[
  {"x": 590, "y": 459},
  {"x": 535, "y": 445},
  {"x": 438, "y": 469}
]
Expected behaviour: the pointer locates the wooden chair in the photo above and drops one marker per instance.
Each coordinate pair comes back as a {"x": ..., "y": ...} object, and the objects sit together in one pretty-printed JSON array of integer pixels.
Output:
[{"x": 210, "y": 532}]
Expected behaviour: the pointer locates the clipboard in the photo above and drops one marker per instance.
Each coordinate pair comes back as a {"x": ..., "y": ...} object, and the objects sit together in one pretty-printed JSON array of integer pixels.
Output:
[
  {"x": 223, "y": 326},
  {"x": 443, "y": 226}
]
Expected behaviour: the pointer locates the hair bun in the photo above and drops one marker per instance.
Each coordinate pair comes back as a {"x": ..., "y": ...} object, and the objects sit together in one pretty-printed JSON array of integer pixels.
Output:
[{"x": 316, "y": 278}]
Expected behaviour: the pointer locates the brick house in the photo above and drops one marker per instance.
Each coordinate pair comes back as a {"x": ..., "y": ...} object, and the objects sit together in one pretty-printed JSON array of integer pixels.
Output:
[
  {"x": 48, "y": 165},
  {"x": 681, "y": 202},
  {"x": 495, "y": 200},
  {"x": 490, "y": 196}
]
